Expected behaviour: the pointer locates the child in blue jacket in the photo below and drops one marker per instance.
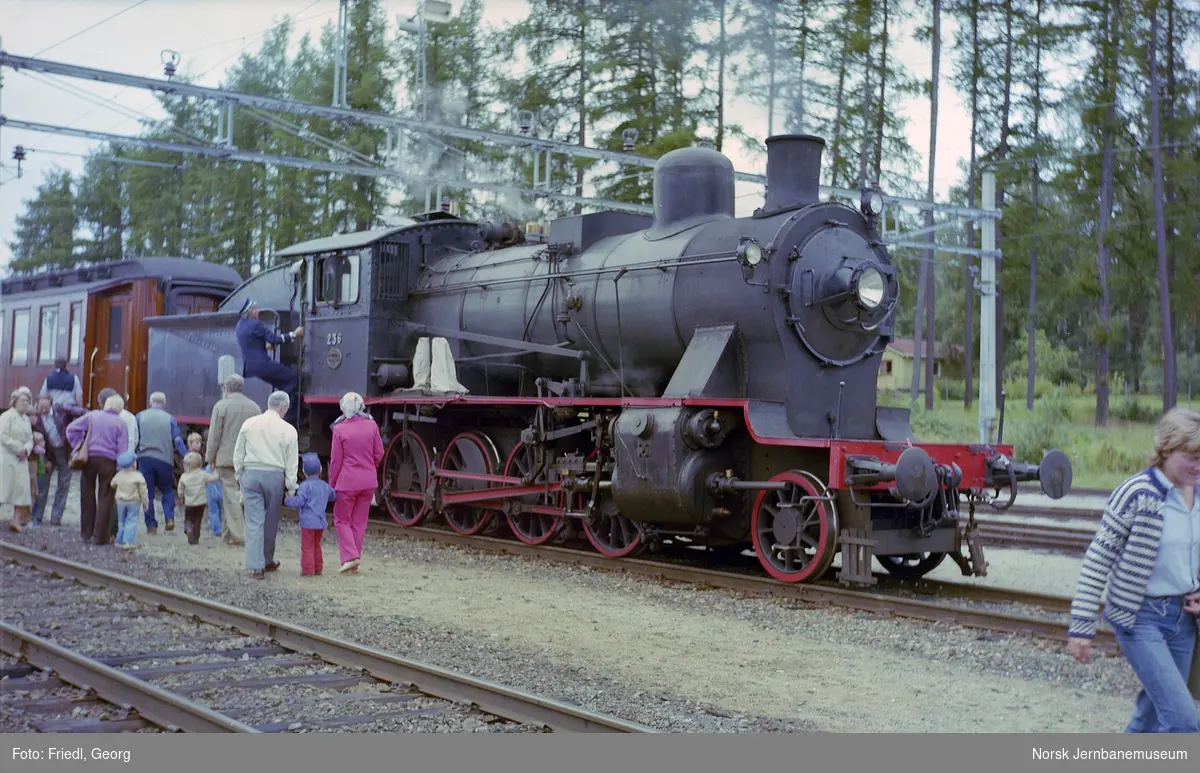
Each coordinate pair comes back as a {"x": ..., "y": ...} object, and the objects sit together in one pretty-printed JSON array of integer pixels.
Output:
[{"x": 312, "y": 501}]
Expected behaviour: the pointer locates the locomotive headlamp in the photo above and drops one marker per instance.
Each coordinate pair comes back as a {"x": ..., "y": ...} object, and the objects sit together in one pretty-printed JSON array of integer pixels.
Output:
[
  {"x": 749, "y": 252},
  {"x": 870, "y": 287},
  {"x": 871, "y": 202}
]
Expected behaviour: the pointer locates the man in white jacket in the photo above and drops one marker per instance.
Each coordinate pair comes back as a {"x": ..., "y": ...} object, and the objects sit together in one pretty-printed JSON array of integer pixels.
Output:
[{"x": 265, "y": 460}]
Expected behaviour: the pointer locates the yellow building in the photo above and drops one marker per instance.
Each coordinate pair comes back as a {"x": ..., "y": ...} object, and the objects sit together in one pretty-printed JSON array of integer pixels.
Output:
[{"x": 895, "y": 369}]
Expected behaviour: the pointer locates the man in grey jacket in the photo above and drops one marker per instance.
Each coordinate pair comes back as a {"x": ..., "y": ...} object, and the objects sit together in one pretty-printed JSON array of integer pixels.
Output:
[
  {"x": 158, "y": 440},
  {"x": 228, "y": 415}
]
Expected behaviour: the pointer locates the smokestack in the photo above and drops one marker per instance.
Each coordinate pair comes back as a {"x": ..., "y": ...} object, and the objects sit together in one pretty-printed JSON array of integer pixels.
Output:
[{"x": 793, "y": 172}]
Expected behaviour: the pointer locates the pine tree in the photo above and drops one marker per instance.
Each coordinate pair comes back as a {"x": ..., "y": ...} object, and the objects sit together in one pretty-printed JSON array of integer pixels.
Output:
[
  {"x": 1104, "y": 117},
  {"x": 460, "y": 88},
  {"x": 551, "y": 90},
  {"x": 100, "y": 208},
  {"x": 1169, "y": 386},
  {"x": 45, "y": 232},
  {"x": 647, "y": 54}
]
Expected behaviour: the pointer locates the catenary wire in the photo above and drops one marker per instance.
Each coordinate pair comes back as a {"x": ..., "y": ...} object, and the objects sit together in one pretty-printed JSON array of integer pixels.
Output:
[{"x": 88, "y": 29}]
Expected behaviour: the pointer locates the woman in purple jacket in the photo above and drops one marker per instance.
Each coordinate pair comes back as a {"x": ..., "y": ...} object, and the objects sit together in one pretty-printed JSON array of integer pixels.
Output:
[
  {"x": 106, "y": 442},
  {"x": 353, "y": 473}
]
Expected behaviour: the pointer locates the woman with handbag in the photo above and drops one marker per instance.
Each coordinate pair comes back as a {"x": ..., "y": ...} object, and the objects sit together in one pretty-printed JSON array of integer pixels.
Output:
[
  {"x": 98, "y": 438},
  {"x": 16, "y": 444}
]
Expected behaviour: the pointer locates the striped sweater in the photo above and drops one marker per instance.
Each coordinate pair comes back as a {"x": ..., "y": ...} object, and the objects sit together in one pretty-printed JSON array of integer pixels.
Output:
[{"x": 1121, "y": 556}]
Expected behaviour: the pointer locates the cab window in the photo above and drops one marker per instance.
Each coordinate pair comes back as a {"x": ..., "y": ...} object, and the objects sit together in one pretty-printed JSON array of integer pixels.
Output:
[{"x": 337, "y": 279}]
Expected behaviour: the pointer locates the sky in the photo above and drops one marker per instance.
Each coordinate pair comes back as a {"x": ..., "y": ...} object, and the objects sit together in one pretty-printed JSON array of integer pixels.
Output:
[{"x": 209, "y": 35}]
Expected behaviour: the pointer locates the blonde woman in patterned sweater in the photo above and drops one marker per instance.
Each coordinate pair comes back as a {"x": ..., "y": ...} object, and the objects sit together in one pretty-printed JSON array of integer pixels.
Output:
[{"x": 1147, "y": 552}]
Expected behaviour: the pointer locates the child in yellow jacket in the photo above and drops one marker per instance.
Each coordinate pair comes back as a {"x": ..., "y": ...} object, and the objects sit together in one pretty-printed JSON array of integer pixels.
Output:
[
  {"x": 193, "y": 494},
  {"x": 133, "y": 498}
]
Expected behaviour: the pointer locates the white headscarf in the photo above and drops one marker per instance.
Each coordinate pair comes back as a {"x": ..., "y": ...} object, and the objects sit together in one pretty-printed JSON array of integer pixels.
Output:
[
  {"x": 352, "y": 405},
  {"x": 16, "y": 395}
]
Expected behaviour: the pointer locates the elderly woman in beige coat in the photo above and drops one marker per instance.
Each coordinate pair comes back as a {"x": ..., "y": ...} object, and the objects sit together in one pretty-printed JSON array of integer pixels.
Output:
[{"x": 16, "y": 443}]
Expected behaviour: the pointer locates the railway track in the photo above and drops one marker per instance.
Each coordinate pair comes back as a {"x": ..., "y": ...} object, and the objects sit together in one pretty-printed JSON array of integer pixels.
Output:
[
  {"x": 1036, "y": 536},
  {"x": 930, "y": 601},
  {"x": 119, "y": 654},
  {"x": 1056, "y": 513}
]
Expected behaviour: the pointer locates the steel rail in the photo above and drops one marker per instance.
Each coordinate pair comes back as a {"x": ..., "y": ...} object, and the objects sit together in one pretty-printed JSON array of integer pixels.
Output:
[
  {"x": 1033, "y": 535},
  {"x": 1058, "y": 513},
  {"x": 817, "y": 594},
  {"x": 165, "y": 709},
  {"x": 984, "y": 593},
  {"x": 489, "y": 697}
]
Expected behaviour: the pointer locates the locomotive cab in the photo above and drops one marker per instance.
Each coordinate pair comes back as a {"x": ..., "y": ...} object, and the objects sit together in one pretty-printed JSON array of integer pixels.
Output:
[{"x": 356, "y": 303}]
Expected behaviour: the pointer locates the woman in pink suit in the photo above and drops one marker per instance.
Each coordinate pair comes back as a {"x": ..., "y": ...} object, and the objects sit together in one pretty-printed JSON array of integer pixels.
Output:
[{"x": 354, "y": 474}]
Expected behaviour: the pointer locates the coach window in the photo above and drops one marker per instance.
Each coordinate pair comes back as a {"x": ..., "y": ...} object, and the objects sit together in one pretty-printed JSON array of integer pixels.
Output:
[
  {"x": 48, "y": 336},
  {"x": 339, "y": 279},
  {"x": 20, "y": 337},
  {"x": 116, "y": 320},
  {"x": 76, "y": 342}
]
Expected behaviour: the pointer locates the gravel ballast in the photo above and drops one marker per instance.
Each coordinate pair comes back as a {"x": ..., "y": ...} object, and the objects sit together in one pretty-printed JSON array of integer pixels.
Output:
[
  {"x": 250, "y": 679},
  {"x": 675, "y": 657}
]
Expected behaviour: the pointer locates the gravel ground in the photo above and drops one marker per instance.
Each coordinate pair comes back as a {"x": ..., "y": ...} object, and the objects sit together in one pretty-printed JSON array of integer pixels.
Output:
[
  {"x": 101, "y": 624},
  {"x": 675, "y": 657}
]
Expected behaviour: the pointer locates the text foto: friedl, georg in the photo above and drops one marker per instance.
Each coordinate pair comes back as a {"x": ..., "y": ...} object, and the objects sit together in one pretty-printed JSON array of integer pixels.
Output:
[{"x": 59, "y": 754}]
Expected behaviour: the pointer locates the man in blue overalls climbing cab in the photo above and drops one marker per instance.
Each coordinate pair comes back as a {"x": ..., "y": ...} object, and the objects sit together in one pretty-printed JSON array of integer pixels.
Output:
[{"x": 255, "y": 340}]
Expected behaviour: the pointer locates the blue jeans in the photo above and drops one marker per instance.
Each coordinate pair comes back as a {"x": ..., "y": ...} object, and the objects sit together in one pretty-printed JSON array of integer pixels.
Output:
[
  {"x": 1159, "y": 648},
  {"x": 160, "y": 475},
  {"x": 127, "y": 522},
  {"x": 214, "y": 509}
]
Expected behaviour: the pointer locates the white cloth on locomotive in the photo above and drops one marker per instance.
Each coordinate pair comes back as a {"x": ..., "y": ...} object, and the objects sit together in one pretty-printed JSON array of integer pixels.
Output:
[
  {"x": 433, "y": 367},
  {"x": 444, "y": 376},
  {"x": 421, "y": 364}
]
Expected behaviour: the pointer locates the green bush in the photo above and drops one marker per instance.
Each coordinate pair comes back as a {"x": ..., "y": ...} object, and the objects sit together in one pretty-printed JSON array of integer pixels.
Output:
[
  {"x": 932, "y": 428},
  {"x": 891, "y": 398},
  {"x": 1116, "y": 457},
  {"x": 954, "y": 389},
  {"x": 1047, "y": 427},
  {"x": 1132, "y": 409}
]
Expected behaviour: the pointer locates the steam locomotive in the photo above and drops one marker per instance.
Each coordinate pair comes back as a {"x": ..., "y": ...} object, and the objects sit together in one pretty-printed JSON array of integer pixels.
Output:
[{"x": 693, "y": 377}]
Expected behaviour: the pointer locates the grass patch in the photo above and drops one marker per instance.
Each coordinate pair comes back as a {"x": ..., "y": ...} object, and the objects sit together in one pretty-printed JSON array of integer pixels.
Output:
[{"x": 1100, "y": 457}]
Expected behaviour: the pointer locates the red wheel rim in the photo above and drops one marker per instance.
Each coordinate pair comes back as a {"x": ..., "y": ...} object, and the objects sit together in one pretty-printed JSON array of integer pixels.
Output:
[
  {"x": 468, "y": 452},
  {"x": 610, "y": 535},
  {"x": 780, "y": 518},
  {"x": 406, "y": 470},
  {"x": 532, "y": 528}
]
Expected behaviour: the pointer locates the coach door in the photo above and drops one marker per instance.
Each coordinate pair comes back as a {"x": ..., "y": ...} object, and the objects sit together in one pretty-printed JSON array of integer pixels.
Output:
[{"x": 111, "y": 359}]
